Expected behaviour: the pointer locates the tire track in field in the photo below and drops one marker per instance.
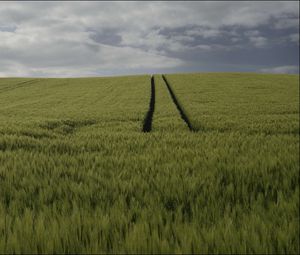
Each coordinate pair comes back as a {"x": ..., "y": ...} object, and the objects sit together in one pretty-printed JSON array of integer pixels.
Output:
[
  {"x": 19, "y": 85},
  {"x": 147, "y": 126},
  {"x": 179, "y": 107}
]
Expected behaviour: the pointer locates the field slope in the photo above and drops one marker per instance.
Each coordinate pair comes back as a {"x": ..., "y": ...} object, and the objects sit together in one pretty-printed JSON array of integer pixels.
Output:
[{"x": 79, "y": 175}]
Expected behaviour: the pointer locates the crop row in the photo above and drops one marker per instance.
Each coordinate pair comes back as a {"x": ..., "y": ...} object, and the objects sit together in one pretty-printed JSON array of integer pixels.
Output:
[{"x": 77, "y": 175}]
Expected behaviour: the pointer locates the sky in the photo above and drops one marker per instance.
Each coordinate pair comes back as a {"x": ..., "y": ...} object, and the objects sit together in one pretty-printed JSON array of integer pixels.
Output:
[{"x": 77, "y": 39}]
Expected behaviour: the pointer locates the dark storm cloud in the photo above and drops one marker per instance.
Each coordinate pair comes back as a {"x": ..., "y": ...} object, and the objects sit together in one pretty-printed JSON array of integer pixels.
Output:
[
  {"x": 262, "y": 46},
  {"x": 106, "y": 38}
]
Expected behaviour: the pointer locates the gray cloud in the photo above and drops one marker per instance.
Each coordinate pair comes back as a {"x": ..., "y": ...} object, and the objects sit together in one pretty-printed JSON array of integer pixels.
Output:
[
  {"x": 8, "y": 28},
  {"x": 294, "y": 37},
  {"x": 99, "y": 38},
  {"x": 281, "y": 70},
  {"x": 105, "y": 36},
  {"x": 287, "y": 23}
]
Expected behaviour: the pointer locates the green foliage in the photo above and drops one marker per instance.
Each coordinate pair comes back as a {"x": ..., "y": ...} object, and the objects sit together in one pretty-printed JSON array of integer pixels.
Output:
[{"x": 77, "y": 175}]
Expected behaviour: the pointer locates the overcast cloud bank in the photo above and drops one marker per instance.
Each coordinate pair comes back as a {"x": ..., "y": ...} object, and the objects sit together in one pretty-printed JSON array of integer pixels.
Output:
[{"x": 108, "y": 38}]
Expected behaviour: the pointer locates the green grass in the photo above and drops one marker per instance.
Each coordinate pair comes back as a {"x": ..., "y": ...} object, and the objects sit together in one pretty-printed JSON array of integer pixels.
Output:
[{"x": 78, "y": 175}]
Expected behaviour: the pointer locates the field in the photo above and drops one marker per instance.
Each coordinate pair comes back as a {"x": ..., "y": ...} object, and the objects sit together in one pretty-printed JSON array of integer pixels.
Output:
[{"x": 79, "y": 175}]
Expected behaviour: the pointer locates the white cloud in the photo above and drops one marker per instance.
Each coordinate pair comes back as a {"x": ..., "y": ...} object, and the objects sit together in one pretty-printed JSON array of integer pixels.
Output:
[
  {"x": 252, "y": 33},
  {"x": 56, "y": 38},
  {"x": 281, "y": 70},
  {"x": 258, "y": 41},
  {"x": 71, "y": 58},
  {"x": 205, "y": 32}
]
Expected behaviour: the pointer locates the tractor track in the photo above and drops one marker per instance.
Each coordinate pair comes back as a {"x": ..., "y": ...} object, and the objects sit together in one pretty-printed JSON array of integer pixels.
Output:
[
  {"x": 147, "y": 125},
  {"x": 179, "y": 107},
  {"x": 19, "y": 85}
]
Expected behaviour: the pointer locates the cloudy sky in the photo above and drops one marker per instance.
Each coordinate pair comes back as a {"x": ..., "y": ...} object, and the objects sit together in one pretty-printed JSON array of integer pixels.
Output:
[{"x": 62, "y": 39}]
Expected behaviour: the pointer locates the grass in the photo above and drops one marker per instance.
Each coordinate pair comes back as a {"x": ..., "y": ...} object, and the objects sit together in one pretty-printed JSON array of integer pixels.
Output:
[{"x": 78, "y": 175}]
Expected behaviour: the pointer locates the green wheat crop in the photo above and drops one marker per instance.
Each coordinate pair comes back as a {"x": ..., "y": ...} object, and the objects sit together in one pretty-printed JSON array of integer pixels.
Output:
[{"x": 78, "y": 175}]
